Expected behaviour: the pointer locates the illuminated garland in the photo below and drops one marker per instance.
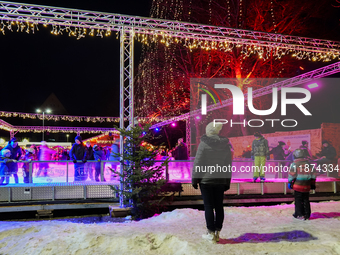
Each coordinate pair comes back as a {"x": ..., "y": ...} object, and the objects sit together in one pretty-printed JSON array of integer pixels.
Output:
[
  {"x": 276, "y": 50},
  {"x": 263, "y": 52},
  {"x": 40, "y": 116},
  {"x": 39, "y": 129}
]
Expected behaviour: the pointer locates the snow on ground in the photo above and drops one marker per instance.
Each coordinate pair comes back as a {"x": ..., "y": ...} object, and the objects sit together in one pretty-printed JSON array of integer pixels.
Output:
[{"x": 247, "y": 230}]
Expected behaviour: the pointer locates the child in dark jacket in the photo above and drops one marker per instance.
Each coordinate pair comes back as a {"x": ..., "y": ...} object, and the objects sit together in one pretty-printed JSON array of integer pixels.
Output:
[
  {"x": 99, "y": 155},
  {"x": 5, "y": 171},
  {"x": 301, "y": 179},
  {"x": 29, "y": 156}
]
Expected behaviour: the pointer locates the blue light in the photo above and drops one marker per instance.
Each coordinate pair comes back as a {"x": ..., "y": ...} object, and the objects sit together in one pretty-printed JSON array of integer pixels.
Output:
[{"x": 157, "y": 129}]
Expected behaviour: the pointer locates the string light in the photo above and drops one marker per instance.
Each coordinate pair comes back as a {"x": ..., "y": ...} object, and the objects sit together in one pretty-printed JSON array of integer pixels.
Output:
[
  {"x": 262, "y": 49},
  {"x": 75, "y": 118}
]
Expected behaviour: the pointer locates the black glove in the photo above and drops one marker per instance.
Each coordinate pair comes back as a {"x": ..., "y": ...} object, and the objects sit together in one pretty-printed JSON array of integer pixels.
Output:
[
  {"x": 312, "y": 186},
  {"x": 84, "y": 160},
  {"x": 195, "y": 186},
  {"x": 74, "y": 161}
]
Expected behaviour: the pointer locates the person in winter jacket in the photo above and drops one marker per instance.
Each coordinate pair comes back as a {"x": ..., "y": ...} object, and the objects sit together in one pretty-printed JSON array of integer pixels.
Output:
[
  {"x": 279, "y": 154},
  {"x": 181, "y": 153},
  {"x": 99, "y": 155},
  {"x": 45, "y": 154},
  {"x": 78, "y": 154},
  {"x": 5, "y": 170},
  {"x": 301, "y": 179},
  {"x": 90, "y": 156},
  {"x": 29, "y": 156},
  {"x": 327, "y": 154},
  {"x": 15, "y": 155},
  {"x": 304, "y": 146},
  {"x": 213, "y": 155},
  {"x": 259, "y": 153},
  {"x": 114, "y": 157}
]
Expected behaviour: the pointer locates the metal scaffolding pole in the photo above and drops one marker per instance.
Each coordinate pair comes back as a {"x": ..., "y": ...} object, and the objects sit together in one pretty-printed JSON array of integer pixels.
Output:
[{"x": 126, "y": 90}]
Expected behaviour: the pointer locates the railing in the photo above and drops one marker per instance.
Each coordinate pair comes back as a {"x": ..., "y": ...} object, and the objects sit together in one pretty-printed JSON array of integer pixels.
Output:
[{"x": 175, "y": 170}]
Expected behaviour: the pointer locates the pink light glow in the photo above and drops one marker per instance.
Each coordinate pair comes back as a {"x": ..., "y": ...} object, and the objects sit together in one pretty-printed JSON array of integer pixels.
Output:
[
  {"x": 173, "y": 124},
  {"x": 313, "y": 85}
]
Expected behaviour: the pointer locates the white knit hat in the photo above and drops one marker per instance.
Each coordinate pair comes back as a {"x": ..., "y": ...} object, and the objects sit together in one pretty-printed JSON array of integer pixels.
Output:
[
  {"x": 4, "y": 152},
  {"x": 213, "y": 129}
]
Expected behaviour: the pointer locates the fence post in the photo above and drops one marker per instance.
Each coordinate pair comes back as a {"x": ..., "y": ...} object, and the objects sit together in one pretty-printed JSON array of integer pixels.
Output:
[
  {"x": 101, "y": 171},
  {"x": 66, "y": 171},
  {"x": 167, "y": 171},
  {"x": 30, "y": 172}
]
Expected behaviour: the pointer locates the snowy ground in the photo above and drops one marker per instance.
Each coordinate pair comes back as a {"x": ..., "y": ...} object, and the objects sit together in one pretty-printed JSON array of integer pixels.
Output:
[{"x": 247, "y": 230}]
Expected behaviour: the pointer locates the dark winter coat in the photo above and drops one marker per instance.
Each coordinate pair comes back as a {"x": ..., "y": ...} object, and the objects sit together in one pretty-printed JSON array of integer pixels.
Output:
[
  {"x": 181, "y": 152},
  {"x": 212, "y": 151},
  {"x": 78, "y": 152},
  {"x": 301, "y": 177},
  {"x": 4, "y": 169},
  {"x": 99, "y": 155},
  {"x": 90, "y": 153},
  {"x": 307, "y": 151},
  {"x": 278, "y": 153},
  {"x": 113, "y": 153},
  {"x": 260, "y": 147},
  {"x": 16, "y": 155},
  {"x": 329, "y": 152},
  {"x": 15, "y": 152}
]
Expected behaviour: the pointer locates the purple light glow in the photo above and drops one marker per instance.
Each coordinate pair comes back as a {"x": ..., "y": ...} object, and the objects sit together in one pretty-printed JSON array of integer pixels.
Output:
[
  {"x": 173, "y": 124},
  {"x": 313, "y": 85}
]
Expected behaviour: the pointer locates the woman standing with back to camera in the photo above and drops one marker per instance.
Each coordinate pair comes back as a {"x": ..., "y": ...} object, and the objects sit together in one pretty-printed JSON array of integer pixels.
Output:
[{"x": 213, "y": 150}]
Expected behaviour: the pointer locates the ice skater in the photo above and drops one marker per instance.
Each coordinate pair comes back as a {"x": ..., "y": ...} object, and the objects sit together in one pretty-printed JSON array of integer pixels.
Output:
[
  {"x": 259, "y": 153},
  {"x": 45, "y": 154},
  {"x": 181, "y": 153},
  {"x": 301, "y": 179},
  {"x": 99, "y": 155},
  {"x": 16, "y": 153},
  {"x": 5, "y": 170},
  {"x": 78, "y": 155}
]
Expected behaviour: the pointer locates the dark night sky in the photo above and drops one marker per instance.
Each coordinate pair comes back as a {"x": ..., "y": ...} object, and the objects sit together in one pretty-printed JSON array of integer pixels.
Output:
[{"x": 83, "y": 74}]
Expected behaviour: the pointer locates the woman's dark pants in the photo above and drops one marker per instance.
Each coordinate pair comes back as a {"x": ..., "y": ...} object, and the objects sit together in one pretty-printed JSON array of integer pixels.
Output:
[{"x": 213, "y": 200}]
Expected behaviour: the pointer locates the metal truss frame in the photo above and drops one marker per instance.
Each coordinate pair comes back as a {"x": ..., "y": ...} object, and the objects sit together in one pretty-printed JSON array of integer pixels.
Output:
[
  {"x": 126, "y": 76},
  {"x": 5, "y": 125},
  {"x": 126, "y": 92},
  {"x": 73, "y": 18}
]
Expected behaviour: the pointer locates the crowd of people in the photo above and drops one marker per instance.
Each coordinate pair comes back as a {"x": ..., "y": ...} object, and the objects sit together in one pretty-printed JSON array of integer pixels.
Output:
[{"x": 260, "y": 152}]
